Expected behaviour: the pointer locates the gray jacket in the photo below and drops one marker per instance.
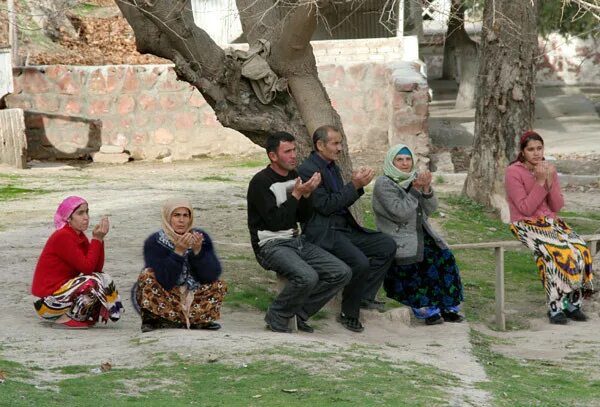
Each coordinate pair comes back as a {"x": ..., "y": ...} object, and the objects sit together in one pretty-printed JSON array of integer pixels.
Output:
[{"x": 403, "y": 215}]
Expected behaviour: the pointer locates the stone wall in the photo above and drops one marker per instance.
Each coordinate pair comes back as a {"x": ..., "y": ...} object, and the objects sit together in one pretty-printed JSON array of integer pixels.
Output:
[
  {"x": 72, "y": 110},
  {"x": 563, "y": 61}
]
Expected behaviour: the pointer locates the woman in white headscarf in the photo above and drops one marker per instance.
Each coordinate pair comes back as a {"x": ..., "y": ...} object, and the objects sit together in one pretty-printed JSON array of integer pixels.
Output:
[
  {"x": 179, "y": 286},
  {"x": 425, "y": 275}
]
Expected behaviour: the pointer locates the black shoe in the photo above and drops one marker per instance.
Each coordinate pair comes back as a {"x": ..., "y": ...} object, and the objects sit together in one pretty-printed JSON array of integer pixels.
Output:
[
  {"x": 210, "y": 326},
  {"x": 350, "y": 323},
  {"x": 303, "y": 325},
  {"x": 149, "y": 327},
  {"x": 558, "y": 319},
  {"x": 150, "y": 322},
  {"x": 277, "y": 324},
  {"x": 450, "y": 316},
  {"x": 434, "y": 320},
  {"x": 576, "y": 315},
  {"x": 373, "y": 304}
]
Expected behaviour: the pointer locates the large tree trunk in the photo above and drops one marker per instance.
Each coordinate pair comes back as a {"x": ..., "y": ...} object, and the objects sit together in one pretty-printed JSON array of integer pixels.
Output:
[
  {"x": 166, "y": 28},
  {"x": 505, "y": 102},
  {"x": 413, "y": 19},
  {"x": 461, "y": 59}
]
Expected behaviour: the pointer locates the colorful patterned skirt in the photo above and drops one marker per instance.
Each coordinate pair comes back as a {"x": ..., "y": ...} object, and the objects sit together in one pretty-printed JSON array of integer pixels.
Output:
[
  {"x": 430, "y": 286},
  {"x": 563, "y": 260},
  {"x": 179, "y": 304},
  {"x": 85, "y": 298}
]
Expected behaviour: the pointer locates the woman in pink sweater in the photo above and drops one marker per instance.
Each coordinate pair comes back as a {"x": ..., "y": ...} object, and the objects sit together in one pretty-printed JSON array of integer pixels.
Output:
[{"x": 562, "y": 257}]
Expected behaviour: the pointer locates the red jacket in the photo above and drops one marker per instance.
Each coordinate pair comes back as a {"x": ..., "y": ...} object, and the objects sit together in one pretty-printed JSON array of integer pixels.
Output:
[{"x": 66, "y": 255}]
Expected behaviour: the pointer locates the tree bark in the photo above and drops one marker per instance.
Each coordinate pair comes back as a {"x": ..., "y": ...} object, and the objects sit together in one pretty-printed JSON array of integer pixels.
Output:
[
  {"x": 505, "y": 103},
  {"x": 461, "y": 60},
  {"x": 201, "y": 62},
  {"x": 413, "y": 15}
]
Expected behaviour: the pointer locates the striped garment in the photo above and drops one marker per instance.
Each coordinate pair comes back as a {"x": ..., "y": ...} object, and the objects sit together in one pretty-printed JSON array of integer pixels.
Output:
[
  {"x": 90, "y": 297},
  {"x": 562, "y": 257}
]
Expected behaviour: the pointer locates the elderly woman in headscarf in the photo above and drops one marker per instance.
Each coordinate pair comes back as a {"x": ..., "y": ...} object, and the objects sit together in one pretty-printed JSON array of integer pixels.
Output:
[
  {"x": 425, "y": 275},
  {"x": 68, "y": 278},
  {"x": 179, "y": 286}
]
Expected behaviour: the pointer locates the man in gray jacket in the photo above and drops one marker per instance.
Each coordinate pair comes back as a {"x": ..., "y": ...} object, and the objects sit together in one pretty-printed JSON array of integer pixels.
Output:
[{"x": 332, "y": 226}]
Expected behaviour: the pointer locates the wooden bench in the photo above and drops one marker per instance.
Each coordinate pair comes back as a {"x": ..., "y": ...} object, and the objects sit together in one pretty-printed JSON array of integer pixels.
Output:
[{"x": 499, "y": 248}]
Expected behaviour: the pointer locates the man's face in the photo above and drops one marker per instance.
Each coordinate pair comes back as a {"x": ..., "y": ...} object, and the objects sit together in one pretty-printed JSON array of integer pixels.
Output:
[
  {"x": 285, "y": 156},
  {"x": 331, "y": 149}
]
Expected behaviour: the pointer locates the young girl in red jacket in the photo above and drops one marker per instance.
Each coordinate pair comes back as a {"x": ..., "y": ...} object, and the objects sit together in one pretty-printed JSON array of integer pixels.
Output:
[{"x": 68, "y": 279}]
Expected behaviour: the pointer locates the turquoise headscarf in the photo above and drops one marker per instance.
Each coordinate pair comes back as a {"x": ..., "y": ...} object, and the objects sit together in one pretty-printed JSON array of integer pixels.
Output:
[{"x": 403, "y": 179}]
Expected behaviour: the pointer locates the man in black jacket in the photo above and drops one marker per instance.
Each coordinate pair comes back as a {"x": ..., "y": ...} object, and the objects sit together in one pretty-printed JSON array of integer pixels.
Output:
[
  {"x": 332, "y": 226},
  {"x": 277, "y": 200}
]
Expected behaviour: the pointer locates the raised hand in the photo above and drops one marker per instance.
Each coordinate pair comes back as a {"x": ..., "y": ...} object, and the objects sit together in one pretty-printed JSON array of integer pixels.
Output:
[
  {"x": 197, "y": 240},
  {"x": 101, "y": 229},
  {"x": 550, "y": 171},
  {"x": 183, "y": 243},
  {"x": 423, "y": 181},
  {"x": 304, "y": 189},
  {"x": 540, "y": 173},
  {"x": 362, "y": 176}
]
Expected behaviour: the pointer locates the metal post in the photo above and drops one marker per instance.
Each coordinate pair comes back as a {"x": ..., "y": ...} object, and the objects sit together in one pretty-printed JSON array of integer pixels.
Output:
[
  {"x": 500, "y": 318},
  {"x": 400, "y": 22}
]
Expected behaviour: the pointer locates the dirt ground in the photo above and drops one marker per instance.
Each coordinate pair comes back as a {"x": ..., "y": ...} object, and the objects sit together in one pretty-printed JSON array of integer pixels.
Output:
[{"x": 131, "y": 195}]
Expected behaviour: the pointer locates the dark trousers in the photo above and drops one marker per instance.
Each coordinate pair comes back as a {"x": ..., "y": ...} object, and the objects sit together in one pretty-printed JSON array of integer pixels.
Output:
[
  {"x": 313, "y": 276},
  {"x": 369, "y": 255}
]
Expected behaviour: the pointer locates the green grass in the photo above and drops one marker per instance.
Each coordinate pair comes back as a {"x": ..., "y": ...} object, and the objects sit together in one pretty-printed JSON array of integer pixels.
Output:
[
  {"x": 11, "y": 192},
  {"x": 468, "y": 222},
  {"x": 250, "y": 163},
  {"x": 217, "y": 178},
  {"x": 583, "y": 223},
  {"x": 518, "y": 382},
  {"x": 345, "y": 378},
  {"x": 241, "y": 295}
]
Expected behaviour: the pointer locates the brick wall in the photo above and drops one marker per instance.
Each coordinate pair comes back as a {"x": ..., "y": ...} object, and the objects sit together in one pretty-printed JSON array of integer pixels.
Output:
[{"x": 72, "y": 110}]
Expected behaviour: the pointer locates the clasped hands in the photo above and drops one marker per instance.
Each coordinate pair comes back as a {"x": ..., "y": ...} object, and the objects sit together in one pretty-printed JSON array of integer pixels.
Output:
[
  {"x": 423, "y": 182},
  {"x": 544, "y": 173},
  {"x": 190, "y": 240}
]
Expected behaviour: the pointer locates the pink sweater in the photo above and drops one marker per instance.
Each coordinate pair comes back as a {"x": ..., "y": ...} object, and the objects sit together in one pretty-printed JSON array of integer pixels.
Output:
[{"x": 526, "y": 198}]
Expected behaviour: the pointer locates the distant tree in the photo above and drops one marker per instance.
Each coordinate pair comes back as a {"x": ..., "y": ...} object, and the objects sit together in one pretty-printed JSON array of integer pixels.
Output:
[{"x": 506, "y": 95}]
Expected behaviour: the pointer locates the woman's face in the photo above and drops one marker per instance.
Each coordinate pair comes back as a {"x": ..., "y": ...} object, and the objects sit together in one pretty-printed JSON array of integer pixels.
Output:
[
  {"x": 533, "y": 152},
  {"x": 403, "y": 162},
  {"x": 180, "y": 220},
  {"x": 79, "y": 219}
]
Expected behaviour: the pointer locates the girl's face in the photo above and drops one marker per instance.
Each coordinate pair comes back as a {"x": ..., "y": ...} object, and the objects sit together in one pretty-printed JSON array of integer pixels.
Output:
[
  {"x": 533, "y": 152},
  {"x": 180, "y": 220},
  {"x": 403, "y": 162},
  {"x": 79, "y": 219}
]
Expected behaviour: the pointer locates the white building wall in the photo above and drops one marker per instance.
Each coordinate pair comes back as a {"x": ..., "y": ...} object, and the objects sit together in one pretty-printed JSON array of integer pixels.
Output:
[{"x": 219, "y": 18}]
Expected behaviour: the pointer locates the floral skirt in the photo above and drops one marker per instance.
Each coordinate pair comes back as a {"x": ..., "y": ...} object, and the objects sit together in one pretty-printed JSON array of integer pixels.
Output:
[
  {"x": 563, "y": 260},
  {"x": 432, "y": 284},
  {"x": 84, "y": 298},
  {"x": 180, "y": 305}
]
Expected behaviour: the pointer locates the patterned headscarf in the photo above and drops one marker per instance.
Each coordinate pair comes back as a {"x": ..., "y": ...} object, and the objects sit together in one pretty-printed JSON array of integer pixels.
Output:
[
  {"x": 167, "y": 210},
  {"x": 403, "y": 179},
  {"x": 66, "y": 209}
]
